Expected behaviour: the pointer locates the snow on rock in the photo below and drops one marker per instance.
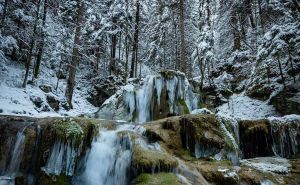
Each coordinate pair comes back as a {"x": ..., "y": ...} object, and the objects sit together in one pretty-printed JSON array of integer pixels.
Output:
[
  {"x": 202, "y": 111},
  {"x": 268, "y": 164},
  {"x": 243, "y": 107}
]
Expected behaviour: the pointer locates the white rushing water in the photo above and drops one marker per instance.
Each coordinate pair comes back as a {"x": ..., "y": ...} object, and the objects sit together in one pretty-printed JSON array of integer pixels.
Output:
[
  {"x": 109, "y": 159},
  {"x": 62, "y": 158},
  {"x": 12, "y": 170},
  {"x": 171, "y": 95}
]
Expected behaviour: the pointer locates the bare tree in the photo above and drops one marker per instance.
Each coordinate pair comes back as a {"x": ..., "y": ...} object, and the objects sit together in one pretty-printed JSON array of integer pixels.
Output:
[{"x": 75, "y": 55}]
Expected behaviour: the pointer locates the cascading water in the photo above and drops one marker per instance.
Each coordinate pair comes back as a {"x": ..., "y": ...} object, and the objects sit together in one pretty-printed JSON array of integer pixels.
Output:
[
  {"x": 109, "y": 160},
  {"x": 62, "y": 158},
  {"x": 15, "y": 157},
  {"x": 285, "y": 133},
  {"x": 168, "y": 93}
]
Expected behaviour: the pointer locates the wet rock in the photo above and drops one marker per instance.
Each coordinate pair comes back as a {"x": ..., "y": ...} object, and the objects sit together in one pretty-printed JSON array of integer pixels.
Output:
[
  {"x": 218, "y": 172},
  {"x": 253, "y": 132},
  {"x": 53, "y": 102},
  {"x": 149, "y": 161},
  {"x": 288, "y": 100},
  {"x": 157, "y": 179},
  {"x": 46, "y": 88},
  {"x": 201, "y": 135}
]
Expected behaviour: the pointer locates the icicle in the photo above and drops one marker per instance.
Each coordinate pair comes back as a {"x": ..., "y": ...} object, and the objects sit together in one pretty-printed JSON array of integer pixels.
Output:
[
  {"x": 158, "y": 86},
  {"x": 62, "y": 158}
]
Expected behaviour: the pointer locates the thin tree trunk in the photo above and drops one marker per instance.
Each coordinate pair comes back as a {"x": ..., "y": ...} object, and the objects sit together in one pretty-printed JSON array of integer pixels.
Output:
[
  {"x": 75, "y": 55},
  {"x": 280, "y": 70},
  {"x": 182, "y": 38},
  {"x": 41, "y": 48},
  {"x": 112, "y": 66},
  {"x": 32, "y": 43},
  {"x": 236, "y": 35},
  {"x": 296, "y": 5},
  {"x": 4, "y": 13},
  {"x": 292, "y": 66},
  {"x": 133, "y": 71}
]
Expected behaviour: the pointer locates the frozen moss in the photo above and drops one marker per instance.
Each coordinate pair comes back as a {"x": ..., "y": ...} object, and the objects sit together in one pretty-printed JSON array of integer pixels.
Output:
[{"x": 68, "y": 129}]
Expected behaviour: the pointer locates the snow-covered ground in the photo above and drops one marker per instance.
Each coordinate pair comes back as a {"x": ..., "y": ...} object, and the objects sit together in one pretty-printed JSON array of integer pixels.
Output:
[
  {"x": 241, "y": 106},
  {"x": 268, "y": 164},
  {"x": 15, "y": 100}
]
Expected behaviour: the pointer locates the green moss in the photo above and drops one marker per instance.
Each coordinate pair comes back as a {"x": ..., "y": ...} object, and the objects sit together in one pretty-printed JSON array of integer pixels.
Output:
[
  {"x": 144, "y": 160},
  {"x": 168, "y": 74},
  {"x": 186, "y": 155},
  {"x": 157, "y": 179},
  {"x": 255, "y": 126},
  {"x": 68, "y": 129},
  {"x": 184, "y": 106},
  {"x": 55, "y": 180}
]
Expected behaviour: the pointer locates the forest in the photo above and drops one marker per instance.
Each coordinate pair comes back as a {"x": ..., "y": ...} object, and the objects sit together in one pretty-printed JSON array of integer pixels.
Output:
[{"x": 163, "y": 91}]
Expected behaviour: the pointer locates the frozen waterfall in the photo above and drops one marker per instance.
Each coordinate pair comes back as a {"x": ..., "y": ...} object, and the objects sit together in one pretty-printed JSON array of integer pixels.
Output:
[{"x": 159, "y": 96}]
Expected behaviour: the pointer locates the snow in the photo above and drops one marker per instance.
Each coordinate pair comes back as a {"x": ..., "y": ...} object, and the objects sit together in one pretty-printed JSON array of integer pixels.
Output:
[
  {"x": 240, "y": 106},
  {"x": 18, "y": 101},
  {"x": 201, "y": 111},
  {"x": 268, "y": 164}
]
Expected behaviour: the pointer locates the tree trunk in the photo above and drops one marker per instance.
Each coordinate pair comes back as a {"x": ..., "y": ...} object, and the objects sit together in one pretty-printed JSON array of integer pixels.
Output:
[
  {"x": 112, "y": 66},
  {"x": 133, "y": 70},
  {"x": 296, "y": 5},
  {"x": 236, "y": 35},
  {"x": 182, "y": 39},
  {"x": 280, "y": 70},
  {"x": 75, "y": 55},
  {"x": 32, "y": 43},
  {"x": 4, "y": 13},
  {"x": 41, "y": 47}
]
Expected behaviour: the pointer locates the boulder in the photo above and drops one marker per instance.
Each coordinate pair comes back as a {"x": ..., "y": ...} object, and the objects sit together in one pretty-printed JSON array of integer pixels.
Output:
[
  {"x": 53, "y": 102},
  {"x": 102, "y": 89},
  {"x": 288, "y": 100},
  {"x": 46, "y": 88},
  {"x": 150, "y": 161}
]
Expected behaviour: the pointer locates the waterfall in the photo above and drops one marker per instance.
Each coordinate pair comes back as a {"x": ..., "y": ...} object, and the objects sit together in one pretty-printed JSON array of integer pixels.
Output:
[
  {"x": 109, "y": 159},
  {"x": 159, "y": 96},
  {"x": 62, "y": 158},
  {"x": 16, "y": 154},
  {"x": 285, "y": 133}
]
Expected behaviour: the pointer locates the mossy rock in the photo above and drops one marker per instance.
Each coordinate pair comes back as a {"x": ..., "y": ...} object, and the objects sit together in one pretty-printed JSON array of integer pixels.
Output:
[
  {"x": 181, "y": 133},
  {"x": 67, "y": 129},
  {"x": 168, "y": 74},
  {"x": 182, "y": 104},
  {"x": 212, "y": 173},
  {"x": 149, "y": 161},
  {"x": 157, "y": 179},
  {"x": 204, "y": 130},
  {"x": 54, "y": 180},
  {"x": 253, "y": 132}
]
